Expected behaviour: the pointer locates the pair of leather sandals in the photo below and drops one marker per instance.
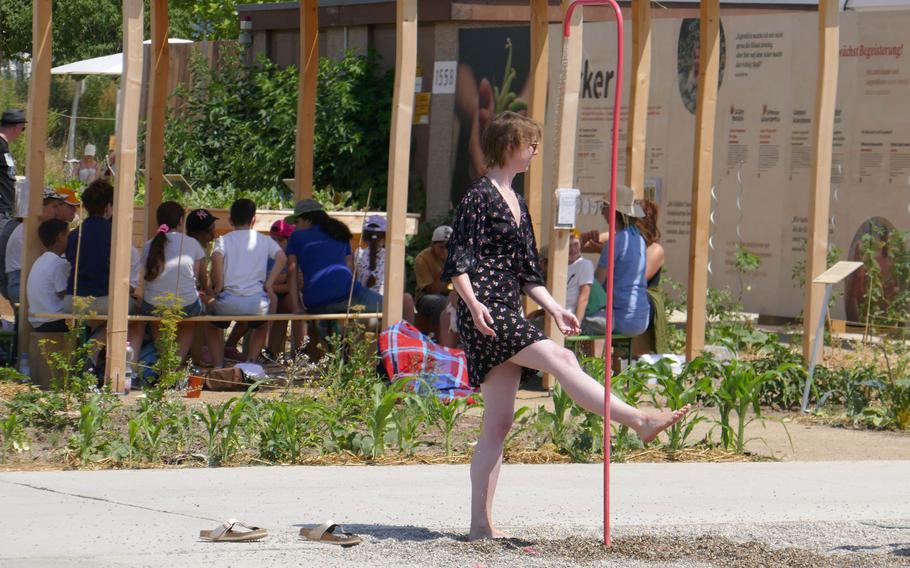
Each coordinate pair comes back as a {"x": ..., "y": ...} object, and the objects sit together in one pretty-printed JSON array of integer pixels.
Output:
[{"x": 233, "y": 530}]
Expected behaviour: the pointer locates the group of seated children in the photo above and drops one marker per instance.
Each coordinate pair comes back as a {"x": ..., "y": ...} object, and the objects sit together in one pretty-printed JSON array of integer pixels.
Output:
[{"x": 306, "y": 262}]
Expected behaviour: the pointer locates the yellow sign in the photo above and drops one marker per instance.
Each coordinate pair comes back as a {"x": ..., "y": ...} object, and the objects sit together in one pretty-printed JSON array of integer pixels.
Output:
[{"x": 422, "y": 108}]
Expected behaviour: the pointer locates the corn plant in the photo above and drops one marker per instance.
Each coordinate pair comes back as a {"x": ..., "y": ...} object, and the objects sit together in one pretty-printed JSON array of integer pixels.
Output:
[
  {"x": 379, "y": 416},
  {"x": 677, "y": 392},
  {"x": 286, "y": 429},
  {"x": 446, "y": 414},
  {"x": 93, "y": 429},
  {"x": 522, "y": 419},
  {"x": 630, "y": 386},
  {"x": 558, "y": 423},
  {"x": 738, "y": 391},
  {"x": 221, "y": 422},
  {"x": 408, "y": 418}
]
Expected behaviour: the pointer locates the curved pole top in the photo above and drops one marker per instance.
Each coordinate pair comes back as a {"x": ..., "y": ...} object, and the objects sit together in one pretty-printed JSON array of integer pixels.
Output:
[{"x": 571, "y": 9}]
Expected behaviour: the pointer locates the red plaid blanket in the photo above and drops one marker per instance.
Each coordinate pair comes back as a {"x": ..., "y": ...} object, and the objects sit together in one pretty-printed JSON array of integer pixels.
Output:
[{"x": 410, "y": 355}]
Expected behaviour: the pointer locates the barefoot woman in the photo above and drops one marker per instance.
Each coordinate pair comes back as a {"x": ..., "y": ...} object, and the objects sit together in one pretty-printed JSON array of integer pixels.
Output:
[{"x": 492, "y": 260}]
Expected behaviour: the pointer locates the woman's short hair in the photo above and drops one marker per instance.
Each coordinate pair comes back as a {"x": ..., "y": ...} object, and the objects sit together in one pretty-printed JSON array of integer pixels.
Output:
[{"x": 508, "y": 131}]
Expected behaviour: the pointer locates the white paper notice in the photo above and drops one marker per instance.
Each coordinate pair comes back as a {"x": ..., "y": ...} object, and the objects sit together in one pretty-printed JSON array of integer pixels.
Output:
[
  {"x": 566, "y": 206},
  {"x": 444, "y": 74}
]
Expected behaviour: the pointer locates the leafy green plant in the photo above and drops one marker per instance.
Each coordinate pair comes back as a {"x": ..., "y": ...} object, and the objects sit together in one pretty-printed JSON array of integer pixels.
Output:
[
  {"x": 676, "y": 392},
  {"x": 557, "y": 423},
  {"x": 447, "y": 414},
  {"x": 38, "y": 409},
  {"x": 70, "y": 364},
  {"x": 221, "y": 426},
  {"x": 93, "y": 435},
  {"x": 738, "y": 392},
  {"x": 379, "y": 417},
  {"x": 15, "y": 439},
  {"x": 414, "y": 413},
  {"x": 167, "y": 366},
  {"x": 286, "y": 429}
]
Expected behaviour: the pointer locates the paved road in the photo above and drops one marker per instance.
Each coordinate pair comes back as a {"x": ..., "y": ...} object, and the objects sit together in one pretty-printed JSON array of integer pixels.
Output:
[{"x": 152, "y": 517}]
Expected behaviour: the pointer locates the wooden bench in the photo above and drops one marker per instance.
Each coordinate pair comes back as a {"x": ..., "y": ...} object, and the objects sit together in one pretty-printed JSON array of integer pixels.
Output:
[{"x": 621, "y": 343}]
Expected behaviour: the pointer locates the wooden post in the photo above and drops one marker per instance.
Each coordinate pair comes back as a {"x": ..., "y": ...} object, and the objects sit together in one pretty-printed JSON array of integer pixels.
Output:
[
  {"x": 701, "y": 182},
  {"x": 39, "y": 93},
  {"x": 557, "y": 264},
  {"x": 122, "y": 232},
  {"x": 308, "y": 72},
  {"x": 641, "y": 84},
  {"x": 819, "y": 199},
  {"x": 537, "y": 107},
  {"x": 399, "y": 157},
  {"x": 157, "y": 111}
]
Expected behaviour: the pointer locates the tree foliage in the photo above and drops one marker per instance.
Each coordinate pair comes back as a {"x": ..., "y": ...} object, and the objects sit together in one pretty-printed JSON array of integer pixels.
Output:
[
  {"x": 92, "y": 28},
  {"x": 235, "y": 130}
]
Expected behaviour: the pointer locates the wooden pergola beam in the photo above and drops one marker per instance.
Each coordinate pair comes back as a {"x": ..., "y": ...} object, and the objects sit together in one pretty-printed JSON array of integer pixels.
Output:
[
  {"x": 636, "y": 141},
  {"x": 557, "y": 263},
  {"x": 39, "y": 93},
  {"x": 157, "y": 113},
  {"x": 702, "y": 176},
  {"x": 822, "y": 137},
  {"x": 308, "y": 72},
  {"x": 122, "y": 232},
  {"x": 399, "y": 158},
  {"x": 537, "y": 107}
]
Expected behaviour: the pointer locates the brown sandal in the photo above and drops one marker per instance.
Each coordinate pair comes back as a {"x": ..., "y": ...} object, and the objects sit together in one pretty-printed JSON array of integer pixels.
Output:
[
  {"x": 227, "y": 533},
  {"x": 330, "y": 533}
]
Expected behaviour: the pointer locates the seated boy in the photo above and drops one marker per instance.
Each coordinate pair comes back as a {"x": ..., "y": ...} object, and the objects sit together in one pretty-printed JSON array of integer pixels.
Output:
[
  {"x": 60, "y": 203},
  {"x": 47, "y": 278},
  {"x": 240, "y": 280}
]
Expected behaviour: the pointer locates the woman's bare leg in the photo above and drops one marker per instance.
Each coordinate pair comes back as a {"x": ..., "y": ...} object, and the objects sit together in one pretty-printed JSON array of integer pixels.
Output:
[
  {"x": 499, "y": 389},
  {"x": 550, "y": 358}
]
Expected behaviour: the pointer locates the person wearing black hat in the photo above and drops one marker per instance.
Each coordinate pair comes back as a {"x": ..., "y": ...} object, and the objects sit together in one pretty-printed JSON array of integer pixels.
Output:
[{"x": 12, "y": 124}]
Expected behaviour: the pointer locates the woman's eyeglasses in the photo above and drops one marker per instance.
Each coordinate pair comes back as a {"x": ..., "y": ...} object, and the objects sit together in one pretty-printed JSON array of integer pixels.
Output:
[{"x": 534, "y": 146}]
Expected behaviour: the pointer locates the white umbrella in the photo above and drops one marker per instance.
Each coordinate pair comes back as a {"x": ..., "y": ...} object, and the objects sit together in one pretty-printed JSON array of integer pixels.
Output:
[{"x": 104, "y": 65}]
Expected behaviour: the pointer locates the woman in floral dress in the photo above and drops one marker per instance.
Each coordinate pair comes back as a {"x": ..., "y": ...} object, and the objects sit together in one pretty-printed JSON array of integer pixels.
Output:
[{"x": 492, "y": 260}]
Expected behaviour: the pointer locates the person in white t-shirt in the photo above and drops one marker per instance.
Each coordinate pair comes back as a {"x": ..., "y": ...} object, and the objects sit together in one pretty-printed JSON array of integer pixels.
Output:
[
  {"x": 47, "y": 278},
  {"x": 59, "y": 203},
  {"x": 579, "y": 278},
  {"x": 241, "y": 282},
  {"x": 172, "y": 263}
]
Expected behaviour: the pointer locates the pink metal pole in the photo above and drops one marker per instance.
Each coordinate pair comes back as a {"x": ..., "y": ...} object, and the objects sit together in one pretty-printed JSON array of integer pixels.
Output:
[{"x": 608, "y": 343}]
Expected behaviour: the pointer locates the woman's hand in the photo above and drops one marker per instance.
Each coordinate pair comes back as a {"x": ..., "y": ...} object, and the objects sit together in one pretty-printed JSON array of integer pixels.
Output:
[
  {"x": 566, "y": 322},
  {"x": 482, "y": 318}
]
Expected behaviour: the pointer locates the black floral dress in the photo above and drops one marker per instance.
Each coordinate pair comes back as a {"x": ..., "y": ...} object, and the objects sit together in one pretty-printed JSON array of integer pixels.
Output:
[{"x": 499, "y": 257}]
